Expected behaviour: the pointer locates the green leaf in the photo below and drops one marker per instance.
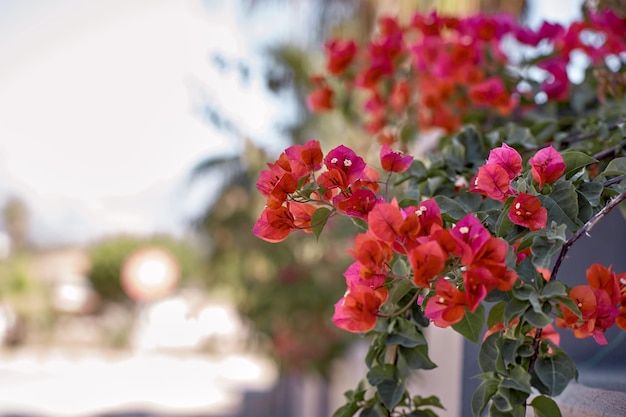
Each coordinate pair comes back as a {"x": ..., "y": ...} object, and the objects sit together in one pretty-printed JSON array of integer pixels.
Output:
[
  {"x": 519, "y": 380},
  {"x": 514, "y": 308},
  {"x": 617, "y": 166},
  {"x": 543, "y": 250},
  {"x": 520, "y": 135},
  {"x": 571, "y": 305},
  {"x": 400, "y": 289},
  {"x": 391, "y": 393},
  {"x": 374, "y": 411},
  {"x": 405, "y": 334},
  {"x": 502, "y": 400},
  {"x": 562, "y": 204},
  {"x": 490, "y": 355},
  {"x": 482, "y": 395},
  {"x": 555, "y": 372},
  {"x": 592, "y": 191},
  {"x": 347, "y": 410},
  {"x": 575, "y": 160},
  {"x": 415, "y": 358},
  {"x": 380, "y": 373},
  {"x": 360, "y": 223},
  {"x": 504, "y": 225},
  {"x": 433, "y": 401},
  {"x": 545, "y": 407},
  {"x": 517, "y": 411},
  {"x": 450, "y": 209},
  {"x": 553, "y": 289},
  {"x": 318, "y": 220},
  {"x": 496, "y": 314},
  {"x": 537, "y": 319},
  {"x": 471, "y": 325}
]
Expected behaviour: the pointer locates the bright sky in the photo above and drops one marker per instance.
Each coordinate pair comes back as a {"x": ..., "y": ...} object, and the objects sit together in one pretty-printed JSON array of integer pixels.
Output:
[{"x": 97, "y": 124}]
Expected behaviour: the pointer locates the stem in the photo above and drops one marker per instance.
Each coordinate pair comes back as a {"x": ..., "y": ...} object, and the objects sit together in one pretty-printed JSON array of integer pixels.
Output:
[
  {"x": 583, "y": 136},
  {"x": 609, "y": 151},
  {"x": 403, "y": 309},
  {"x": 564, "y": 249},
  {"x": 585, "y": 230}
]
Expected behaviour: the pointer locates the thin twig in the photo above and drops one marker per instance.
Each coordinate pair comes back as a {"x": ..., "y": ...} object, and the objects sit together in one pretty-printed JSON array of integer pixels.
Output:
[
  {"x": 584, "y": 136},
  {"x": 585, "y": 231},
  {"x": 609, "y": 151},
  {"x": 403, "y": 309}
]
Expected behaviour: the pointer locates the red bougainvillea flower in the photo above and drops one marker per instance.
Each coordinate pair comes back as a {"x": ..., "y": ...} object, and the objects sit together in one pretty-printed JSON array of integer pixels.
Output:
[
  {"x": 447, "y": 306},
  {"x": 357, "y": 311},
  {"x": 344, "y": 159},
  {"x": 507, "y": 158},
  {"x": 372, "y": 253},
  {"x": 353, "y": 277},
  {"x": 340, "y": 54},
  {"x": 492, "y": 257},
  {"x": 526, "y": 211},
  {"x": 309, "y": 156},
  {"x": 547, "y": 165},
  {"x": 385, "y": 221},
  {"x": 492, "y": 93},
  {"x": 427, "y": 261},
  {"x": 429, "y": 217},
  {"x": 274, "y": 225},
  {"x": 394, "y": 161},
  {"x": 277, "y": 182},
  {"x": 302, "y": 214},
  {"x": 493, "y": 181},
  {"x": 356, "y": 204},
  {"x": 600, "y": 277},
  {"x": 320, "y": 99}
]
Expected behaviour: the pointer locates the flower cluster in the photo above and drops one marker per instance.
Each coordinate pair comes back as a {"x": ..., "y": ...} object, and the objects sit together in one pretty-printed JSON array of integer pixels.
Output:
[
  {"x": 601, "y": 304},
  {"x": 436, "y": 70},
  {"x": 494, "y": 180}
]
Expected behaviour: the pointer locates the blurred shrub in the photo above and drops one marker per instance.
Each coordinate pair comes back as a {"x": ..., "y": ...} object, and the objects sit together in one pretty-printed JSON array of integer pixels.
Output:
[{"x": 108, "y": 256}]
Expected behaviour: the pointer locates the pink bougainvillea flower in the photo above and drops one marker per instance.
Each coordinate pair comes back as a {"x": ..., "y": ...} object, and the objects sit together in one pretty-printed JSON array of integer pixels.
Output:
[
  {"x": 492, "y": 93},
  {"x": 274, "y": 225},
  {"x": 493, "y": 181},
  {"x": 353, "y": 277},
  {"x": 547, "y": 166},
  {"x": 556, "y": 86},
  {"x": 507, "y": 158},
  {"x": 470, "y": 235},
  {"x": 344, "y": 159},
  {"x": 447, "y": 306},
  {"x": 429, "y": 217},
  {"x": 478, "y": 282},
  {"x": 332, "y": 179},
  {"x": 358, "y": 309},
  {"x": 427, "y": 261},
  {"x": 277, "y": 182},
  {"x": 526, "y": 211},
  {"x": 394, "y": 161},
  {"x": 340, "y": 54}
]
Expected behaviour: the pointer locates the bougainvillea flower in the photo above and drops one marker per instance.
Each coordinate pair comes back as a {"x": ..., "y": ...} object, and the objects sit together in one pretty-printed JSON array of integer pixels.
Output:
[
  {"x": 547, "y": 165},
  {"x": 354, "y": 277},
  {"x": 429, "y": 217},
  {"x": 556, "y": 86},
  {"x": 492, "y": 256},
  {"x": 507, "y": 158},
  {"x": 277, "y": 182},
  {"x": 274, "y": 225},
  {"x": 600, "y": 277},
  {"x": 344, "y": 159},
  {"x": 427, "y": 261},
  {"x": 302, "y": 214},
  {"x": 358, "y": 309},
  {"x": 320, "y": 99},
  {"x": 385, "y": 221},
  {"x": 340, "y": 54},
  {"x": 447, "y": 306},
  {"x": 332, "y": 179},
  {"x": 357, "y": 204},
  {"x": 394, "y": 161},
  {"x": 477, "y": 282},
  {"x": 526, "y": 211},
  {"x": 309, "y": 156},
  {"x": 470, "y": 235},
  {"x": 400, "y": 96},
  {"x": 372, "y": 253},
  {"x": 493, "y": 181}
]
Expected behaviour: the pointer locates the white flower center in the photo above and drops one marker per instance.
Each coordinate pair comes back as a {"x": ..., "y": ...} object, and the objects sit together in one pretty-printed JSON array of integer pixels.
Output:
[
  {"x": 464, "y": 230},
  {"x": 333, "y": 161},
  {"x": 518, "y": 205},
  {"x": 347, "y": 163}
]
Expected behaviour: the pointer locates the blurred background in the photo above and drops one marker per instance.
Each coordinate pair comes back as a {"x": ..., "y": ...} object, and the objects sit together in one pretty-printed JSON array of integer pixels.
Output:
[{"x": 131, "y": 136}]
